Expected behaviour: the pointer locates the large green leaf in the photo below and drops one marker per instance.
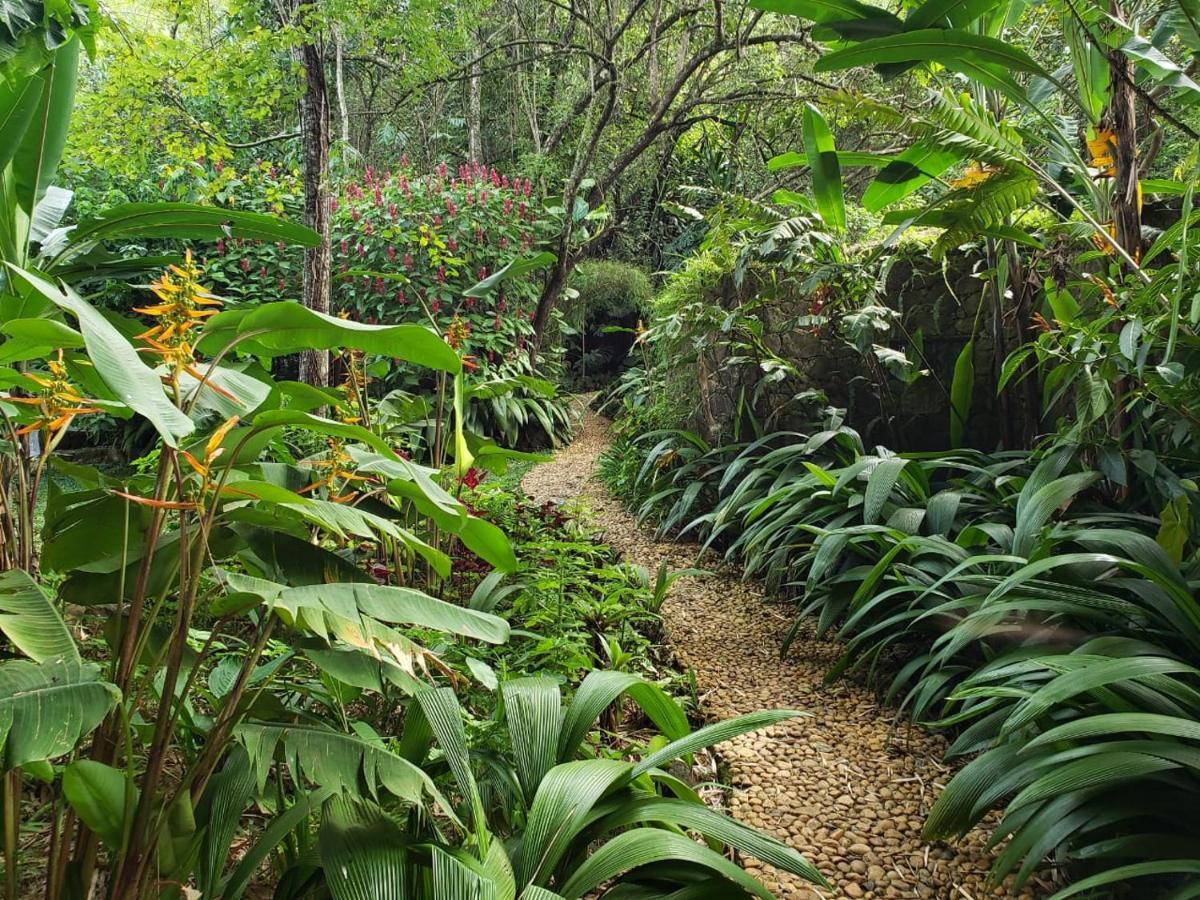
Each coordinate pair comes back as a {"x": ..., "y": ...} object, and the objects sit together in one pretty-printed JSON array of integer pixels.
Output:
[
  {"x": 962, "y": 388},
  {"x": 275, "y": 329},
  {"x": 397, "y": 605},
  {"x": 36, "y": 160},
  {"x": 19, "y": 98},
  {"x": 563, "y": 804},
  {"x": 99, "y": 796},
  {"x": 46, "y": 709},
  {"x": 519, "y": 266},
  {"x": 951, "y": 47},
  {"x": 533, "y": 707},
  {"x": 599, "y": 689},
  {"x": 362, "y": 851},
  {"x": 185, "y": 221},
  {"x": 117, "y": 362},
  {"x": 645, "y": 846},
  {"x": 334, "y": 759},
  {"x": 825, "y": 169},
  {"x": 915, "y": 167},
  {"x": 29, "y": 618}
]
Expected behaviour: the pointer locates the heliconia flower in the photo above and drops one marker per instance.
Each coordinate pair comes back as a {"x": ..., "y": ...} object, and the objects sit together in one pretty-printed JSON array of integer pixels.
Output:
[
  {"x": 504, "y": 181},
  {"x": 221, "y": 246},
  {"x": 391, "y": 252},
  {"x": 333, "y": 204},
  {"x": 391, "y": 210},
  {"x": 483, "y": 197},
  {"x": 219, "y": 166},
  {"x": 435, "y": 306},
  {"x": 262, "y": 271},
  {"x": 355, "y": 215},
  {"x": 378, "y": 285},
  {"x": 344, "y": 248},
  {"x": 508, "y": 206},
  {"x": 503, "y": 243},
  {"x": 368, "y": 227},
  {"x": 273, "y": 172},
  {"x": 404, "y": 160},
  {"x": 437, "y": 221},
  {"x": 442, "y": 169},
  {"x": 241, "y": 242},
  {"x": 245, "y": 264},
  {"x": 343, "y": 267},
  {"x": 495, "y": 178},
  {"x": 378, "y": 196},
  {"x": 370, "y": 174},
  {"x": 483, "y": 272},
  {"x": 408, "y": 261},
  {"x": 452, "y": 245},
  {"x": 491, "y": 356},
  {"x": 400, "y": 298},
  {"x": 451, "y": 208},
  {"x": 501, "y": 305},
  {"x": 361, "y": 250},
  {"x": 521, "y": 209},
  {"x": 281, "y": 284},
  {"x": 527, "y": 187},
  {"x": 441, "y": 275}
]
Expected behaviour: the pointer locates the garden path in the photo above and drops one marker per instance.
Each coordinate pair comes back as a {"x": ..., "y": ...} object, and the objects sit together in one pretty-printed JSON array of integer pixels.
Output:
[{"x": 844, "y": 784}]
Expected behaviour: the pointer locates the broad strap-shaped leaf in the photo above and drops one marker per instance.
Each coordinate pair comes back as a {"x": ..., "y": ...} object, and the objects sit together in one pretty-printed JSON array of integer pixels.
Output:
[
  {"x": 219, "y": 814},
  {"x": 98, "y": 793},
  {"x": 962, "y": 389},
  {"x": 564, "y": 803},
  {"x": 599, "y": 689},
  {"x": 442, "y": 711},
  {"x": 644, "y": 846},
  {"x": 713, "y": 734},
  {"x": 880, "y": 483},
  {"x": 946, "y": 46},
  {"x": 519, "y": 266},
  {"x": 185, "y": 221},
  {"x": 397, "y": 606},
  {"x": 37, "y": 156},
  {"x": 696, "y": 816},
  {"x": 911, "y": 170},
  {"x": 117, "y": 363},
  {"x": 363, "y": 852},
  {"x": 455, "y": 879},
  {"x": 533, "y": 708},
  {"x": 276, "y": 329},
  {"x": 335, "y": 759},
  {"x": 825, "y": 169},
  {"x": 280, "y": 829},
  {"x": 29, "y": 618},
  {"x": 47, "y": 708},
  {"x": 1043, "y": 504}
]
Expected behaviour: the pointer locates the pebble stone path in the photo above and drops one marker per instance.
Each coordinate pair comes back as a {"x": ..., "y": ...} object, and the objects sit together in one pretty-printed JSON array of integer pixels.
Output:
[{"x": 843, "y": 785}]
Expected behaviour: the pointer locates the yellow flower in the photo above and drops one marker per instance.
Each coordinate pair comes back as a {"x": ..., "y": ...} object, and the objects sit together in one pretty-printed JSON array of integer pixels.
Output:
[
  {"x": 58, "y": 402},
  {"x": 185, "y": 303},
  {"x": 1103, "y": 149},
  {"x": 976, "y": 173}
]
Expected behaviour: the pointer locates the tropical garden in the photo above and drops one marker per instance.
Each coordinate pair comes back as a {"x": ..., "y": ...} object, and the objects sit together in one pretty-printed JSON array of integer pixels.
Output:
[{"x": 465, "y": 451}]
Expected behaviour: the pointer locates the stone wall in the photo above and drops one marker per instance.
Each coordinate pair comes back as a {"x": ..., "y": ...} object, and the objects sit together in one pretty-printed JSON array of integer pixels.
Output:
[{"x": 940, "y": 305}]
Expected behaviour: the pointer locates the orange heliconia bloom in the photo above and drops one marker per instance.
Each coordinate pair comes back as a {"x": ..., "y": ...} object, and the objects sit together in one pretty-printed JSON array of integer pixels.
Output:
[
  {"x": 185, "y": 303},
  {"x": 58, "y": 402}
]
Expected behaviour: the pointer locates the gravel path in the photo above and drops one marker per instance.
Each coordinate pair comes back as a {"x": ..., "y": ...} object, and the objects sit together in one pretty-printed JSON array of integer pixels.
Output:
[{"x": 842, "y": 785}]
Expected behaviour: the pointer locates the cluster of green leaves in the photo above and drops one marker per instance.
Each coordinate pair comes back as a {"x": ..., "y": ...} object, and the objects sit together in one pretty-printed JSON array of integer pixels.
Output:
[{"x": 1060, "y": 645}]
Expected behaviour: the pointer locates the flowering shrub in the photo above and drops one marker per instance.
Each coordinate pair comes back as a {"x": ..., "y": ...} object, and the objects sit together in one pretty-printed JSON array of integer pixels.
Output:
[{"x": 405, "y": 248}]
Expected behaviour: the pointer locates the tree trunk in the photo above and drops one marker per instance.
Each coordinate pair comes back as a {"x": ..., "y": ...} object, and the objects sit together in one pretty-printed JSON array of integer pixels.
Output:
[
  {"x": 339, "y": 84},
  {"x": 1121, "y": 117},
  {"x": 314, "y": 124},
  {"x": 474, "y": 124}
]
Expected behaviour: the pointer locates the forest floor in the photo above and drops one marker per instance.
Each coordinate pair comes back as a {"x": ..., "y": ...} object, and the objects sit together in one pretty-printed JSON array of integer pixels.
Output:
[{"x": 844, "y": 784}]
